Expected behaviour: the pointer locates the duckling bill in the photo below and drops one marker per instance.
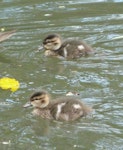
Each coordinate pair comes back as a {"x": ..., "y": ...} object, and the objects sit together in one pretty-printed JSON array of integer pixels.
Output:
[
  {"x": 69, "y": 48},
  {"x": 67, "y": 108}
]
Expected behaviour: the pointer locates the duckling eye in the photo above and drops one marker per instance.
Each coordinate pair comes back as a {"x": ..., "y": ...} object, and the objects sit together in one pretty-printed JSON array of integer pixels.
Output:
[
  {"x": 34, "y": 99},
  {"x": 55, "y": 43}
]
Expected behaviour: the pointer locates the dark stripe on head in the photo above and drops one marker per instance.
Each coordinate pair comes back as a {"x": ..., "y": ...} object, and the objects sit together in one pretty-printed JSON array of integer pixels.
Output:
[
  {"x": 38, "y": 94},
  {"x": 49, "y": 37}
]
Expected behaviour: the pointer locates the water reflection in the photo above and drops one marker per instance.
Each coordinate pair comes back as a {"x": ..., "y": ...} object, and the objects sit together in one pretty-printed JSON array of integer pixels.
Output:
[{"x": 98, "y": 79}]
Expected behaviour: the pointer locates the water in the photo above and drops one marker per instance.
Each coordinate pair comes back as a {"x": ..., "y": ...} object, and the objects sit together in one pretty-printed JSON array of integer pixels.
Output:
[{"x": 98, "y": 78}]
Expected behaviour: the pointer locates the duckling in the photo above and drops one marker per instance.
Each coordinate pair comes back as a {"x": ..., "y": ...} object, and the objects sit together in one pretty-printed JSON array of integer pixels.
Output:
[
  {"x": 5, "y": 35},
  {"x": 69, "y": 48},
  {"x": 67, "y": 108},
  {"x": 72, "y": 93}
]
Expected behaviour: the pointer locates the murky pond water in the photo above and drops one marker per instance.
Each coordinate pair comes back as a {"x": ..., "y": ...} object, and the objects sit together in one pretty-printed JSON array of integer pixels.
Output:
[{"x": 98, "y": 79}]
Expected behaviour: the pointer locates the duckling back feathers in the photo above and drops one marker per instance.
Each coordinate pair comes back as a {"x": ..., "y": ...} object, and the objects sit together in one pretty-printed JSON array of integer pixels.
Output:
[
  {"x": 68, "y": 109},
  {"x": 73, "y": 48}
]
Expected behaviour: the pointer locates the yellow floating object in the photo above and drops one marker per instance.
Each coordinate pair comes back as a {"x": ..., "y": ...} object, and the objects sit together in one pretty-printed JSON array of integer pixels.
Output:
[
  {"x": 2, "y": 29},
  {"x": 9, "y": 83}
]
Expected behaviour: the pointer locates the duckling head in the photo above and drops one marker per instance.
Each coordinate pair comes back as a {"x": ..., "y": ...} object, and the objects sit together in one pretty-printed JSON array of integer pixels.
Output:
[
  {"x": 40, "y": 99},
  {"x": 52, "y": 42}
]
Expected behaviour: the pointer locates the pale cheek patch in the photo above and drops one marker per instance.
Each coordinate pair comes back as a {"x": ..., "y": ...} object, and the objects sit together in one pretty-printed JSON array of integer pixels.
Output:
[
  {"x": 76, "y": 106},
  {"x": 81, "y": 47},
  {"x": 36, "y": 103}
]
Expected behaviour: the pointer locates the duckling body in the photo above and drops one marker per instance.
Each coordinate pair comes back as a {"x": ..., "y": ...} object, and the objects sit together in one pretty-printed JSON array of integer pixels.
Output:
[
  {"x": 69, "y": 48},
  {"x": 66, "y": 108}
]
